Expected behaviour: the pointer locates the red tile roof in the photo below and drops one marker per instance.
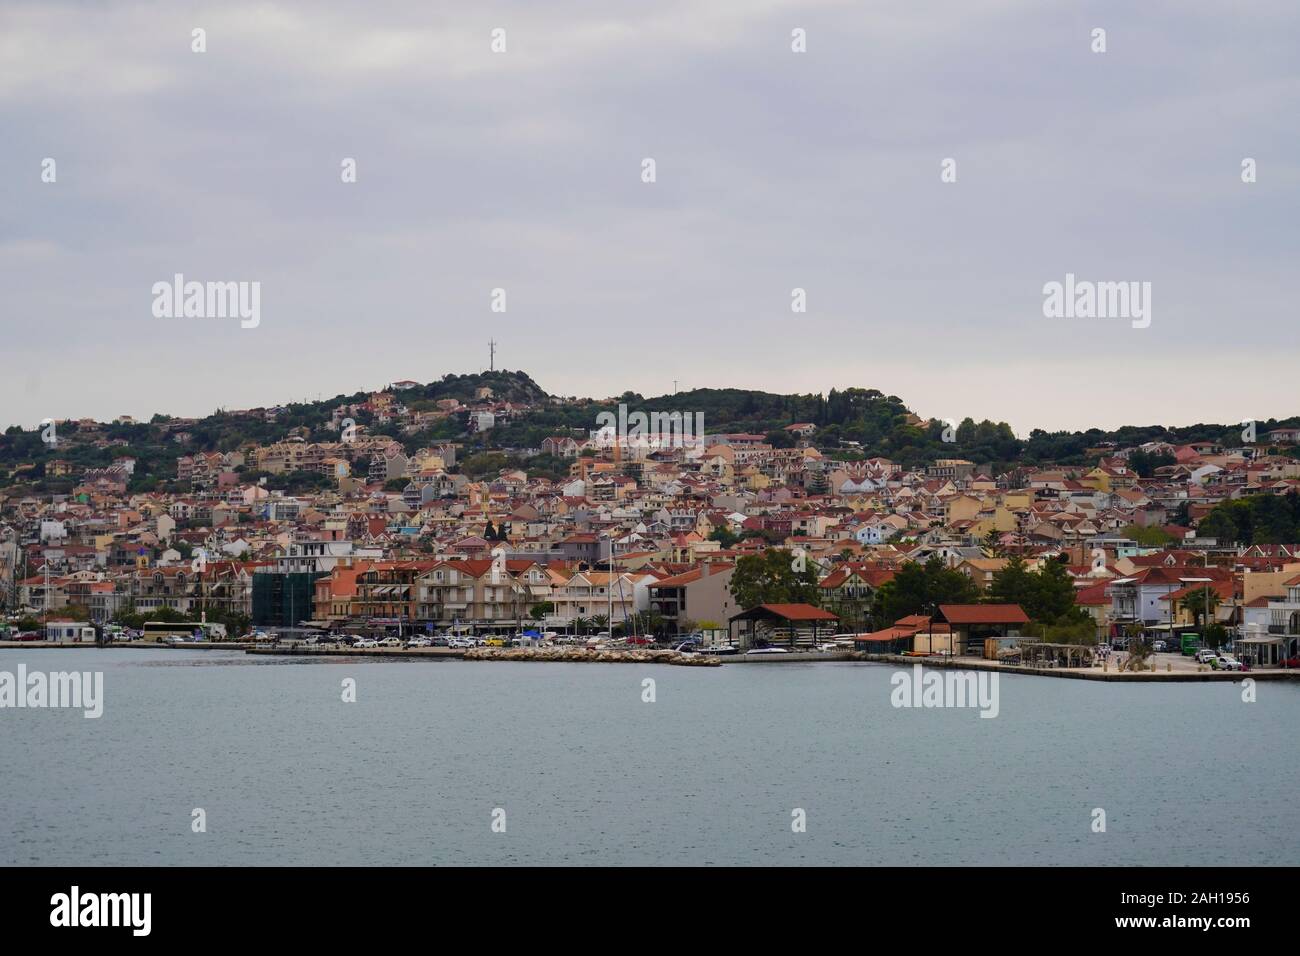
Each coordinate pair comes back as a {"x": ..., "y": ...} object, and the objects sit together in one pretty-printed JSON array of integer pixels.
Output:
[
  {"x": 799, "y": 612},
  {"x": 1224, "y": 590},
  {"x": 1092, "y": 596},
  {"x": 901, "y": 632}
]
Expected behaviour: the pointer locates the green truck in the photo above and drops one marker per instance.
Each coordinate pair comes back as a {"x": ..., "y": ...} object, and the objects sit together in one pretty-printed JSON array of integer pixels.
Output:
[{"x": 1190, "y": 643}]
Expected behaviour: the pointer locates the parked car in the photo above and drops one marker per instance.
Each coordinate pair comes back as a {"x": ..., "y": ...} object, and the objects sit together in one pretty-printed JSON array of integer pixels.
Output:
[
  {"x": 366, "y": 642},
  {"x": 1205, "y": 655},
  {"x": 1159, "y": 647},
  {"x": 390, "y": 642},
  {"x": 767, "y": 650},
  {"x": 419, "y": 642},
  {"x": 462, "y": 642},
  {"x": 440, "y": 642},
  {"x": 1226, "y": 662}
]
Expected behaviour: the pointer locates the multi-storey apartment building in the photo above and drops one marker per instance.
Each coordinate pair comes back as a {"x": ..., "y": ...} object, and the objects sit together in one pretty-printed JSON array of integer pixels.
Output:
[
  {"x": 481, "y": 591},
  {"x": 171, "y": 587}
]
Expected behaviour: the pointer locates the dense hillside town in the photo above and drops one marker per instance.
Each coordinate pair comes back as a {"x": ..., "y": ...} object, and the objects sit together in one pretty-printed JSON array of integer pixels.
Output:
[{"x": 491, "y": 508}]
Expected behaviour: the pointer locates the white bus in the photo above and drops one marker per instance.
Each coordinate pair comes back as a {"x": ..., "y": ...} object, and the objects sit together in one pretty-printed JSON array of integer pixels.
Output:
[{"x": 183, "y": 630}]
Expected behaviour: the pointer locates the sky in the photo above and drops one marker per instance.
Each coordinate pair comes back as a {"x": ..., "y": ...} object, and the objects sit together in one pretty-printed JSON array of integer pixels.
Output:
[{"x": 774, "y": 170}]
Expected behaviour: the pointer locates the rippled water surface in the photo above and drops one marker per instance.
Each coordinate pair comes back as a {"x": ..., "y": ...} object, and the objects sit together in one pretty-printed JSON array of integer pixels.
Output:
[{"x": 586, "y": 772}]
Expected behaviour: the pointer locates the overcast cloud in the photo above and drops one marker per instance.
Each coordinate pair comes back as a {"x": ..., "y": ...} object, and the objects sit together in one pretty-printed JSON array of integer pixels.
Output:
[{"x": 775, "y": 170}]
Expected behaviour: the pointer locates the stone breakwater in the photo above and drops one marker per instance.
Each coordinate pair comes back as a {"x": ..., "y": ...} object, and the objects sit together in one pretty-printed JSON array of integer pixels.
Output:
[{"x": 584, "y": 655}]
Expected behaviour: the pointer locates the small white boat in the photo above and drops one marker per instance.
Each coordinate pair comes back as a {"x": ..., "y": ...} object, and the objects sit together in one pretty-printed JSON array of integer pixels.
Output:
[{"x": 718, "y": 649}]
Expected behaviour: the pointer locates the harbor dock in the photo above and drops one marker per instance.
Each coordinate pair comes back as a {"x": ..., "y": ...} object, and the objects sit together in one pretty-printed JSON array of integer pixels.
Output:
[{"x": 641, "y": 656}]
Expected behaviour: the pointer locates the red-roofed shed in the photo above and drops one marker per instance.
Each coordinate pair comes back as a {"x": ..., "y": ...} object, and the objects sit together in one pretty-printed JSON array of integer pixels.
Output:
[
  {"x": 972, "y": 624},
  {"x": 789, "y": 624}
]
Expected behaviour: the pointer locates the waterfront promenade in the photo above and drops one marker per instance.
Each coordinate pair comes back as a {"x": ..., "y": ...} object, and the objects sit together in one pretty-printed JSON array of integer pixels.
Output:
[{"x": 1171, "y": 668}]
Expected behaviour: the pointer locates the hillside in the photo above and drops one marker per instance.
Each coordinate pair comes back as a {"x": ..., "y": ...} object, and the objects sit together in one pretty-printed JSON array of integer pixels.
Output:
[{"x": 851, "y": 424}]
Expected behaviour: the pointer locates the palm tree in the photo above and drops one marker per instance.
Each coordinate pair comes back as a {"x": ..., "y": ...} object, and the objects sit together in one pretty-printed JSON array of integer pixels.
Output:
[
  {"x": 652, "y": 622},
  {"x": 1200, "y": 603}
]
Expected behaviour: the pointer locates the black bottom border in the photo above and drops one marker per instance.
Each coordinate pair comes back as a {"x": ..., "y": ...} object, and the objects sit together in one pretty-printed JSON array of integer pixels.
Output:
[{"x": 303, "y": 906}]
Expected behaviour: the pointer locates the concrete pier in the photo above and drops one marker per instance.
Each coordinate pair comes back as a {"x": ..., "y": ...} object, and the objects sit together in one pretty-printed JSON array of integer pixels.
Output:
[
  {"x": 621, "y": 655},
  {"x": 568, "y": 655},
  {"x": 1078, "y": 673},
  {"x": 331, "y": 650},
  {"x": 794, "y": 657}
]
